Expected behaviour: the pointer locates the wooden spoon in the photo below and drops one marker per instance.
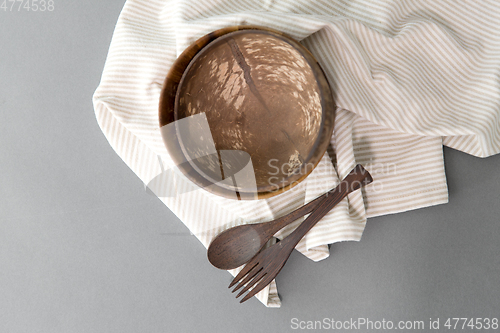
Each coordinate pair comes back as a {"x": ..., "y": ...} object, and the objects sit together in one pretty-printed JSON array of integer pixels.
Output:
[{"x": 236, "y": 246}]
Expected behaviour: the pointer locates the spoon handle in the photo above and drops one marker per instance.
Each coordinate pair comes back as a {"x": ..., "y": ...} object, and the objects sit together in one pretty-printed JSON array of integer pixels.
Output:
[
  {"x": 357, "y": 178},
  {"x": 283, "y": 221}
]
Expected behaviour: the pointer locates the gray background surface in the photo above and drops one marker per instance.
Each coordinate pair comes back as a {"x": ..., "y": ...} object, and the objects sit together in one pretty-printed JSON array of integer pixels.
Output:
[{"x": 83, "y": 248}]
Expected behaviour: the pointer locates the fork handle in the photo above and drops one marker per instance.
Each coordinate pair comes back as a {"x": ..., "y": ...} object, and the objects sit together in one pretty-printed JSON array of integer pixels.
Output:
[{"x": 357, "y": 178}]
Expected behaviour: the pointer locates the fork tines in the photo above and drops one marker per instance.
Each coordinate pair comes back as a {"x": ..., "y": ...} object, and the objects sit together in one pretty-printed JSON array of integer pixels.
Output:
[{"x": 252, "y": 275}]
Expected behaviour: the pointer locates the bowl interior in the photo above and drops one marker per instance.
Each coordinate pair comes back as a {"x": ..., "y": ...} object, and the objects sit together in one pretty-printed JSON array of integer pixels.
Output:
[{"x": 265, "y": 100}]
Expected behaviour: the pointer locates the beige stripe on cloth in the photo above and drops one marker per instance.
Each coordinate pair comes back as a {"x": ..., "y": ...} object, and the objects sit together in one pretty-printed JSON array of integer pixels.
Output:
[{"x": 409, "y": 76}]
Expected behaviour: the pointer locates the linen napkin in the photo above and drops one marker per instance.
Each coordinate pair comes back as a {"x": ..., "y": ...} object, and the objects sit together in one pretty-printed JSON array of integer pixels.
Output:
[{"x": 408, "y": 77}]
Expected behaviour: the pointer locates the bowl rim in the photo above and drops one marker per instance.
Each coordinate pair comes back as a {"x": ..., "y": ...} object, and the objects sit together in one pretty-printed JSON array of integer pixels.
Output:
[{"x": 168, "y": 114}]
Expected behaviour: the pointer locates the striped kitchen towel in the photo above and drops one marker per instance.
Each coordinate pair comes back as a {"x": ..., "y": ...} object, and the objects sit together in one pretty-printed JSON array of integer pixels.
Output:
[{"x": 409, "y": 76}]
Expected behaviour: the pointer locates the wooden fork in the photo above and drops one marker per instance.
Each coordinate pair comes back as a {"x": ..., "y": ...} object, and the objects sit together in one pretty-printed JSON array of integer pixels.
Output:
[{"x": 265, "y": 265}]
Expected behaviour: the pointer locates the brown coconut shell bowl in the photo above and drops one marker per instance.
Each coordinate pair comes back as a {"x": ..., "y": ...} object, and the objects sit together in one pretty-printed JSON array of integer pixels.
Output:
[{"x": 264, "y": 95}]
